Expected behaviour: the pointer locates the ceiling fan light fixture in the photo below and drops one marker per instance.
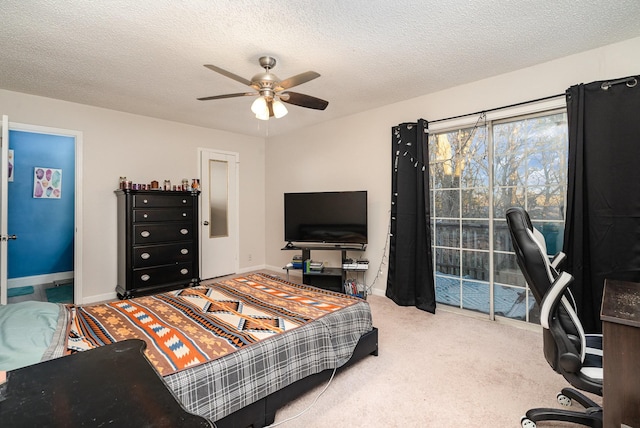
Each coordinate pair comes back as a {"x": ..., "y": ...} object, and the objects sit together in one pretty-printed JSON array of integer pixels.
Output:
[
  {"x": 271, "y": 91},
  {"x": 259, "y": 106},
  {"x": 279, "y": 109},
  {"x": 262, "y": 117}
]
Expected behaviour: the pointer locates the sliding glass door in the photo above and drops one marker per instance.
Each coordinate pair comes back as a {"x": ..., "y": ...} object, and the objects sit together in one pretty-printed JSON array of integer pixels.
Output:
[
  {"x": 460, "y": 191},
  {"x": 476, "y": 173}
]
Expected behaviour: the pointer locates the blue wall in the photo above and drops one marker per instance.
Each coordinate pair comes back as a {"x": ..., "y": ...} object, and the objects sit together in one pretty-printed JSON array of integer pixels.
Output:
[{"x": 44, "y": 227}]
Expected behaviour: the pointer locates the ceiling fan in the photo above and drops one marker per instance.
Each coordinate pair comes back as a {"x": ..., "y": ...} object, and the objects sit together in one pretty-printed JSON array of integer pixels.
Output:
[{"x": 271, "y": 91}]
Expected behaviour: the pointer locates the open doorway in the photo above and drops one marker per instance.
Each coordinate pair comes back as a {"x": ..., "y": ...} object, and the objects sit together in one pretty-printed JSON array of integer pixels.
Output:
[{"x": 42, "y": 215}]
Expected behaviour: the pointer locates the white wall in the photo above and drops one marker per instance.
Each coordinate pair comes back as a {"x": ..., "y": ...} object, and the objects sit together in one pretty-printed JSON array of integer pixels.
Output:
[
  {"x": 142, "y": 149},
  {"x": 352, "y": 153},
  {"x": 355, "y": 152}
]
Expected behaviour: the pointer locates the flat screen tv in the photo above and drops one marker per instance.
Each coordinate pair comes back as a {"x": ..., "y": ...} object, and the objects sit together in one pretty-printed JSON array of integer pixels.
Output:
[{"x": 326, "y": 217}]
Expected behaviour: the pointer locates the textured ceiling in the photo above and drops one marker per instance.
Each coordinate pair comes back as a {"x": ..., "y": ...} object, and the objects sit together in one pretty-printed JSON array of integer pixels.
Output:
[{"x": 146, "y": 56}]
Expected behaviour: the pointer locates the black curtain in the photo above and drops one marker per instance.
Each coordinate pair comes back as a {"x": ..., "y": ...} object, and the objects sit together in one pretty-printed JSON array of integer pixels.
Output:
[
  {"x": 410, "y": 275},
  {"x": 602, "y": 231}
]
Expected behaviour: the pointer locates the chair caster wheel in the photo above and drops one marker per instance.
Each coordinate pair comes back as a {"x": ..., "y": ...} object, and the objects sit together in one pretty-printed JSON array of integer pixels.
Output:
[
  {"x": 563, "y": 400},
  {"x": 527, "y": 423}
]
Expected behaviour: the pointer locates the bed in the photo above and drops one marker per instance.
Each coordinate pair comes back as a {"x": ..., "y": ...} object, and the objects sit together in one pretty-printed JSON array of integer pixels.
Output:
[{"x": 290, "y": 338}]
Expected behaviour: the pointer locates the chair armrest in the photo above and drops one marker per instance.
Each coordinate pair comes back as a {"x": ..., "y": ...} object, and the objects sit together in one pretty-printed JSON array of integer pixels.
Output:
[
  {"x": 557, "y": 259},
  {"x": 551, "y": 299}
]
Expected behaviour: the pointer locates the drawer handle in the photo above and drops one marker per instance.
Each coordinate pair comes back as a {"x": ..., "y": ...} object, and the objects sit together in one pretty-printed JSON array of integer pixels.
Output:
[
  {"x": 184, "y": 201},
  {"x": 145, "y": 215},
  {"x": 145, "y": 233},
  {"x": 184, "y": 231},
  {"x": 184, "y": 214},
  {"x": 145, "y": 277},
  {"x": 145, "y": 201},
  {"x": 184, "y": 251},
  {"x": 145, "y": 256},
  {"x": 184, "y": 271}
]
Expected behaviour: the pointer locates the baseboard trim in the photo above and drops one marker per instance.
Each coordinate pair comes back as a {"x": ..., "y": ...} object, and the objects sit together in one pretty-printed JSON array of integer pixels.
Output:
[
  {"x": 60, "y": 277},
  {"x": 377, "y": 292},
  {"x": 252, "y": 268},
  {"x": 99, "y": 298}
]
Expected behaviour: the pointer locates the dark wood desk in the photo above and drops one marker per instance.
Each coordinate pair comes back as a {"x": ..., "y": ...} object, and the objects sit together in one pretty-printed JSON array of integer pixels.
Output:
[
  {"x": 620, "y": 316},
  {"x": 113, "y": 386}
]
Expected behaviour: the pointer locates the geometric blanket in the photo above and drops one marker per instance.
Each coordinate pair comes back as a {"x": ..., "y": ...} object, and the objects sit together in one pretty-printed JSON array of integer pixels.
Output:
[{"x": 188, "y": 327}]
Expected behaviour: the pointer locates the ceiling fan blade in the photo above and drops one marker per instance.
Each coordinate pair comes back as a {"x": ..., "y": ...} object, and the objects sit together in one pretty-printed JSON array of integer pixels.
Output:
[
  {"x": 219, "y": 97},
  {"x": 298, "y": 79},
  {"x": 303, "y": 100},
  {"x": 229, "y": 74}
]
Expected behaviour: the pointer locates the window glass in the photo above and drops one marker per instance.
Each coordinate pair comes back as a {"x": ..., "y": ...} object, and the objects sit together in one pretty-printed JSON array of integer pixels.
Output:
[
  {"x": 447, "y": 233},
  {"x": 475, "y": 203},
  {"x": 218, "y": 198},
  {"x": 475, "y": 265},
  {"x": 475, "y": 234},
  {"x": 446, "y": 203}
]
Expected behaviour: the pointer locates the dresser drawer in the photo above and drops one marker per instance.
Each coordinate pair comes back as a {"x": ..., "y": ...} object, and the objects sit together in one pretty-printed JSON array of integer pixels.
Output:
[
  {"x": 162, "y": 200},
  {"x": 158, "y": 215},
  {"x": 149, "y": 277},
  {"x": 154, "y": 233},
  {"x": 155, "y": 255}
]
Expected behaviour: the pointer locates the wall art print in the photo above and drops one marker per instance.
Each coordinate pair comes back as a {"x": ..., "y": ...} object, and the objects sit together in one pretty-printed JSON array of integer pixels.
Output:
[{"x": 47, "y": 183}]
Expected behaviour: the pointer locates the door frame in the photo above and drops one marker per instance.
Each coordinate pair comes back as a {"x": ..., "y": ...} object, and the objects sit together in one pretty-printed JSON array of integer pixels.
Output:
[
  {"x": 4, "y": 180},
  {"x": 204, "y": 187},
  {"x": 77, "y": 236}
]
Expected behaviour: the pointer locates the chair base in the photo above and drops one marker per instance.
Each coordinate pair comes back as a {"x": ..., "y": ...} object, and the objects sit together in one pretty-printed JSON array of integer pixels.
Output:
[{"x": 591, "y": 416}]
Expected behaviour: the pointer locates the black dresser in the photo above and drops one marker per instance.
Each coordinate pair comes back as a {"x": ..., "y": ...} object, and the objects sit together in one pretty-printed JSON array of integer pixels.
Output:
[{"x": 157, "y": 241}]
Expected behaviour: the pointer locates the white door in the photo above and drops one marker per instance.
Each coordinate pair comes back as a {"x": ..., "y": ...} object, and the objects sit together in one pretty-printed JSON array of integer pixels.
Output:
[
  {"x": 4, "y": 180},
  {"x": 218, "y": 213}
]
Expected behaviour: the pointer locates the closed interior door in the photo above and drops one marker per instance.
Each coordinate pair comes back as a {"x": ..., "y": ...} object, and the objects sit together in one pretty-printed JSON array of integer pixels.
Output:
[{"x": 218, "y": 214}]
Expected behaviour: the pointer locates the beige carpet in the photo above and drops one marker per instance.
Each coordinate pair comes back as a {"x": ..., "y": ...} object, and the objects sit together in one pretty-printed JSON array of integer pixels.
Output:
[{"x": 443, "y": 370}]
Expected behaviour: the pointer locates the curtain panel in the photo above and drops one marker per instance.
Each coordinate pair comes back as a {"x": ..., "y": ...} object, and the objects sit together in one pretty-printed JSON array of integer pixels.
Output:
[
  {"x": 602, "y": 231},
  {"x": 410, "y": 279}
]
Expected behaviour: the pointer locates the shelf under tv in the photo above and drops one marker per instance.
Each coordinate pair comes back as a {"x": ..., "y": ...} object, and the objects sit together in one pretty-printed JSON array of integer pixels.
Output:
[{"x": 329, "y": 278}]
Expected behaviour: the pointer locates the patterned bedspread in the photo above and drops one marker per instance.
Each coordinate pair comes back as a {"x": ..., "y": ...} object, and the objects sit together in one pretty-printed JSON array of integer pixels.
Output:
[
  {"x": 186, "y": 328},
  {"x": 252, "y": 371}
]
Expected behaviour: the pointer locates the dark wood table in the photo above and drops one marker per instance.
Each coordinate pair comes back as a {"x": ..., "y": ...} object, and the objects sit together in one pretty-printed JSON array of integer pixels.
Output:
[
  {"x": 113, "y": 386},
  {"x": 620, "y": 316}
]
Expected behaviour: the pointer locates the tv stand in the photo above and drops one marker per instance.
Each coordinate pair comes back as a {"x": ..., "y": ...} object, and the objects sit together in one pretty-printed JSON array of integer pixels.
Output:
[{"x": 329, "y": 278}]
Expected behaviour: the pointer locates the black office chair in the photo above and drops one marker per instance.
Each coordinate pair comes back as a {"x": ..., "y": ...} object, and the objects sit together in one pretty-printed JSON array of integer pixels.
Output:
[{"x": 568, "y": 350}]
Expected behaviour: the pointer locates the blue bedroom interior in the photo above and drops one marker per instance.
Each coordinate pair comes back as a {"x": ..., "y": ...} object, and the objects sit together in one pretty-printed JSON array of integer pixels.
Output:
[{"x": 42, "y": 254}]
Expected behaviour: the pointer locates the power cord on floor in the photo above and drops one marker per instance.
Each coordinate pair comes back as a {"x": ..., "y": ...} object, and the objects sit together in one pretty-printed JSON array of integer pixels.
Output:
[{"x": 310, "y": 405}]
